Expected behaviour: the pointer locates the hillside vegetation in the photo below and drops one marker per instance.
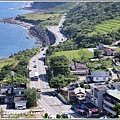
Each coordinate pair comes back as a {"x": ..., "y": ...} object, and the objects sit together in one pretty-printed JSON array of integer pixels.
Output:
[
  {"x": 40, "y": 18},
  {"x": 91, "y": 23},
  {"x": 18, "y": 64},
  {"x": 52, "y": 10},
  {"x": 107, "y": 26},
  {"x": 45, "y": 5}
]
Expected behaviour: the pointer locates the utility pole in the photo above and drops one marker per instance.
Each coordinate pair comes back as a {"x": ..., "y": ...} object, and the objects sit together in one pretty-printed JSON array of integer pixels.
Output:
[{"x": 12, "y": 75}]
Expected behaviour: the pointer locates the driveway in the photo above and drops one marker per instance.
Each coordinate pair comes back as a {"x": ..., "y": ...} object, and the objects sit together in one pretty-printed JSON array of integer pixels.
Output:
[
  {"x": 114, "y": 76},
  {"x": 91, "y": 49}
]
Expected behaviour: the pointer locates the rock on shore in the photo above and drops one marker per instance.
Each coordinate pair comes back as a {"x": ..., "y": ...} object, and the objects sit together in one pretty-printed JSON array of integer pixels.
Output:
[{"x": 35, "y": 31}]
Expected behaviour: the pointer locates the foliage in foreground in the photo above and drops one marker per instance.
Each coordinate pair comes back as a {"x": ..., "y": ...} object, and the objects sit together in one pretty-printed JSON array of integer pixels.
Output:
[
  {"x": 31, "y": 95},
  {"x": 117, "y": 109}
]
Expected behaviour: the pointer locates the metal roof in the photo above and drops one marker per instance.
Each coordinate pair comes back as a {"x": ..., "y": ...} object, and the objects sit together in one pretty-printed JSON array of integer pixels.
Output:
[{"x": 100, "y": 74}]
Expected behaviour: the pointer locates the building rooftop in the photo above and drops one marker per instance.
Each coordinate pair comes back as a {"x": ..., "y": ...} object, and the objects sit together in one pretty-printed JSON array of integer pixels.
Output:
[
  {"x": 99, "y": 86},
  {"x": 115, "y": 93},
  {"x": 20, "y": 99},
  {"x": 89, "y": 105},
  {"x": 100, "y": 74}
]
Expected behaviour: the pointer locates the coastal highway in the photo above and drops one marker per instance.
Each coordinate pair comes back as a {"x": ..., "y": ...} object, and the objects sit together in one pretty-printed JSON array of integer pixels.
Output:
[
  {"x": 50, "y": 103},
  {"x": 56, "y": 31}
]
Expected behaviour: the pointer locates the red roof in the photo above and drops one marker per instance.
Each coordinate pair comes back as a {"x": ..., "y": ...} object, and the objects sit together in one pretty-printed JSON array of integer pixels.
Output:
[{"x": 108, "y": 50}]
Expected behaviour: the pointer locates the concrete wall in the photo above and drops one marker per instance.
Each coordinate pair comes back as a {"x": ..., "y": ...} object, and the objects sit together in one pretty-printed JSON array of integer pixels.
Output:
[
  {"x": 23, "y": 104},
  {"x": 100, "y": 98},
  {"x": 19, "y": 92},
  {"x": 100, "y": 79}
]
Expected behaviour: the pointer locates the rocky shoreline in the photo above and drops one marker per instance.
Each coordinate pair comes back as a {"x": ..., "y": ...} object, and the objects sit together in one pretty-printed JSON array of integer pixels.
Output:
[{"x": 33, "y": 30}]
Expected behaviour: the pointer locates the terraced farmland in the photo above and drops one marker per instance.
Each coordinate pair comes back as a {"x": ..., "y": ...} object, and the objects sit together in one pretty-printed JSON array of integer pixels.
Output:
[{"x": 107, "y": 26}]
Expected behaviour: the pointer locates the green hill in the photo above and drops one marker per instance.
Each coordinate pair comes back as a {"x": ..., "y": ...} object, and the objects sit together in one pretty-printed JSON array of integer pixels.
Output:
[{"x": 91, "y": 23}]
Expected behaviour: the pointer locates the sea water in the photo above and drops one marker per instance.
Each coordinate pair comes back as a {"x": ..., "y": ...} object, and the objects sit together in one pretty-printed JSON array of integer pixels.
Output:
[{"x": 13, "y": 38}]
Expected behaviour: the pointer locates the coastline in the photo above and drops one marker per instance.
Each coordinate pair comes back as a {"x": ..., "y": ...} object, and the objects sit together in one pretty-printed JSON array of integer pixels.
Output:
[
  {"x": 24, "y": 25},
  {"x": 17, "y": 22}
]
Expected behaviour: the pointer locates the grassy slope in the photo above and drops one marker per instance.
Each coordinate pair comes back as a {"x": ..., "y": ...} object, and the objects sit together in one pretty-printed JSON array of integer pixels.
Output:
[
  {"x": 7, "y": 61},
  {"x": 117, "y": 49},
  {"x": 43, "y": 17},
  {"x": 107, "y": 26},
  {"x": 15, "y": 62},
  {"x": 75, "y": 54}
]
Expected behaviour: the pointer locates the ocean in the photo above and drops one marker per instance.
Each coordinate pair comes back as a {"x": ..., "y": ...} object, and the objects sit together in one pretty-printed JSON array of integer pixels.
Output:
[{"x": 13, "y": 38}]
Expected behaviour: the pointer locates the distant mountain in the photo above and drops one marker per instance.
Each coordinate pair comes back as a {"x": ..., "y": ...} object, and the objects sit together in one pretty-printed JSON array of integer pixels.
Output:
[{"x": 45, "y": 5}]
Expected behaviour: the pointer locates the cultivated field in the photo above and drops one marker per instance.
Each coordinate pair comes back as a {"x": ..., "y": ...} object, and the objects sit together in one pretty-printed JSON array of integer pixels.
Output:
[{"x": 107, "y": 26}]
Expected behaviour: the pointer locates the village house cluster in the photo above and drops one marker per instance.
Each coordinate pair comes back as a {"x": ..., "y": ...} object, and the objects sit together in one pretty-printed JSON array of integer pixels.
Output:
[
  {"x": 100, "y": 96},
  {"x": 13, "y": 95}
]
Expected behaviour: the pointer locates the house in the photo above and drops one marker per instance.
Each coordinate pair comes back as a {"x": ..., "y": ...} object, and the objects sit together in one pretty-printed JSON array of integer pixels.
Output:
[
  {"x": 20, "y": 102},
  {"x": 100, "y": 76},
  {"x": 106, "y": 50},
  {"x": 79, "y": 68},
  {"x": 49, "y": 18},
  {"x": 101, "y": 46},
  {"x": 6, "y": 94},
  {"x": 9, "y": 95},
  {"x": 20, "y": 89},
  {"x": 109, "y": 51},
  {"x": 95, "y": 94},
  {"x": 111, "y": 98},
  {"x": 91, "y": 108}
]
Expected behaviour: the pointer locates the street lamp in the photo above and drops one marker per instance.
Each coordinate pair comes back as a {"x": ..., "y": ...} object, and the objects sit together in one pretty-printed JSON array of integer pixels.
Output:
[{"x": 12, "y": 75}]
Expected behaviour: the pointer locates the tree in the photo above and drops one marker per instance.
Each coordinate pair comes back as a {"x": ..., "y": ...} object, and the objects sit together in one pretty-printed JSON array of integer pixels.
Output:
[
  {"x": 46, "y": 116},
  {"x": 58, "y": 116},
  {"x": 60, "y": 65},
  {"x": 58, "y": 82},
  {"x": 116, "y": 108},
  {"x": 61, "y": 116},
  {"x": 117, "y": 55},
  {"x": 83, "y": 58},
  {"x": 31, "y": 95},
  {"x": 97, "y": 53}
]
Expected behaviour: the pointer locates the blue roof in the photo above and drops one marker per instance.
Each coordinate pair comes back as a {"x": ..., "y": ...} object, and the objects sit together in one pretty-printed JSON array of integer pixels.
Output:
[{"x": 100, "y": 74}]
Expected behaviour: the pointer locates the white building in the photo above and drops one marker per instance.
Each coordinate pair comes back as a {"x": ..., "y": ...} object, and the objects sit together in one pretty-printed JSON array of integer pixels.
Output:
[
  {"x": 111, "y": 98},
  {"x": 99, "y": 76}
]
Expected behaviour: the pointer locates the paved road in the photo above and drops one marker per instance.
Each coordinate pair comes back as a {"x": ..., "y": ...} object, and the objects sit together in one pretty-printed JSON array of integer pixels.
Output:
[
  {"x": 115, "y": 43},
  {"x": 114, "y": 76},
  {"x": 51, "y": 104},
  {"x": 56, "y": 31}
]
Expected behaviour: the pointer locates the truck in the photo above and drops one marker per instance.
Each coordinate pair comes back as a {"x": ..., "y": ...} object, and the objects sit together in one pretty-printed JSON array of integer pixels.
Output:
[{"x": 36, "y": 76}]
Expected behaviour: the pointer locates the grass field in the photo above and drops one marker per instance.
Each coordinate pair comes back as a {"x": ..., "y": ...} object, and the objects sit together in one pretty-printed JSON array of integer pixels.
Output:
[
  {"x": 75, "y": 54},
  {"x": 55, "y": 18},
  {"x": 117, "y": 49},
  {"x": 107, "y": 26},
  {"x": 7, "y": 61}
]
